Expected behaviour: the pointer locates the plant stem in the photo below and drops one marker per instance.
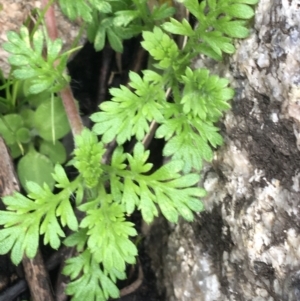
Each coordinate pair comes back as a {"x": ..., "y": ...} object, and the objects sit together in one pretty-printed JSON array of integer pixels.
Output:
[
  {"x": 153, "y": 127},
  {"x": 50, "y": 20},
  {"x": 71, "y": 110},
  {"x": 35, "y": 271},
  {"x": 66, "y": 93},
  {"x": 37, "y": 278}
]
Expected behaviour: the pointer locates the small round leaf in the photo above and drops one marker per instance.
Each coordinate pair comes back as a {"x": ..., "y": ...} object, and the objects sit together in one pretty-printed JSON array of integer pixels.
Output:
[
  {"x": 23, "y": 135},
  {"x": 55, "y": 151},
  {"x": 37, "y": 168},
  {"x": 28, "y": 117},
  {"x": 51, "y": 121}
]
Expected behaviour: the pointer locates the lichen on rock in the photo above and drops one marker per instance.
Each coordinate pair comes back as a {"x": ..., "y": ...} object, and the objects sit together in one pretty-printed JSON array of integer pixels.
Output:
[{"x": 246, "y": 245}]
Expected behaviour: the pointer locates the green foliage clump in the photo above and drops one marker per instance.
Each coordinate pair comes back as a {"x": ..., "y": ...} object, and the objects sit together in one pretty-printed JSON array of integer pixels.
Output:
[
  {"x": 33, "y": 119},
  {"x": 26, "y": 55},
  {"x": 88, "y": 154},
  {"x": 114, "y": 20},
  {"x": 128, "y": 113},
  {"x": 28, "y": 217},
  {"x": 185, "y": 104}
]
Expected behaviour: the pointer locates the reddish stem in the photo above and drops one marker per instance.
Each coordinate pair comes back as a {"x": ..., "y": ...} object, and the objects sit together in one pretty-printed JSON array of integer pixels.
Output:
[
  {"x": 50, "y": 20},
  {"x": 66, "y": 94},
  {"x": 71, "y": 110}
]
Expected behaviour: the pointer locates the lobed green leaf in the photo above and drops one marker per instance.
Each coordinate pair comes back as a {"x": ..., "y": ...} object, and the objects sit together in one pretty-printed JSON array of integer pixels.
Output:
[
  {"x": 88, "y": 155},
  {"x": 129, "y": 113},
  {"x": 75, "y": 9},
  {"x": 95, "y": 284},
  {"x": 161, "y": 12},
  {"x": 35, "y": 167},
  {"x": 67, "y": 216},
  {"x": 176, "y": 27},
  {"x": 18, "y": 202},
  {"x": 114, "y": 248},
  {"x": 51, "y": 229},
  {"x": 241, "y": 11},
  {"x": 161, "y": 47},
  {"x": 77, "y": 239}
]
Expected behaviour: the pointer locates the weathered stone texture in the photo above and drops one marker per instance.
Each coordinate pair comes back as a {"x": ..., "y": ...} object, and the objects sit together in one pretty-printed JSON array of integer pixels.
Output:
[{"x": 246, "y": 246}]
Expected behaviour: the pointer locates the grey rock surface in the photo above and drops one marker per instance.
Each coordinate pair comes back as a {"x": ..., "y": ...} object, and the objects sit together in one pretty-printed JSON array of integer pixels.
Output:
[{"x": 246, "y": 246}]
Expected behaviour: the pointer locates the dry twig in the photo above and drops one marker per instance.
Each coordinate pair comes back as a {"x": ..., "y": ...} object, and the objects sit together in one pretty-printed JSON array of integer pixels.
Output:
[{"x": 35, "y": 271}]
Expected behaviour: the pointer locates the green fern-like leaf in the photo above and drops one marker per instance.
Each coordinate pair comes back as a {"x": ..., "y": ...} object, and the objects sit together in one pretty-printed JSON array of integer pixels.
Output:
[
  {"x": 219, "y": 22},
  {"x": 75, "y": 9},
  {"x": 94, "y": 284},
  {"x": 176, "y": 27},
  {"x": 21, "y": 235},
  {"x": 85, "y": 8},
  {"x": 161, "y": 47},
  {"x": 165, "y": 188},
  {"x": 205, "y": 96},
  {"x": 113, "y": 20},
  {"x": 189, "y": 139},
  {"x": 30, "y": 64},
  {"x": 88, "y": 155},
  {"x": 129, "y": 113},
  {"x": 27, "y": 218},
  {"x": 113, "y": 249}
]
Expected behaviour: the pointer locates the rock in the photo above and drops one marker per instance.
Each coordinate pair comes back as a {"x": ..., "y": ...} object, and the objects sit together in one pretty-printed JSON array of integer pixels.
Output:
[{"x": 246, "y": 245}]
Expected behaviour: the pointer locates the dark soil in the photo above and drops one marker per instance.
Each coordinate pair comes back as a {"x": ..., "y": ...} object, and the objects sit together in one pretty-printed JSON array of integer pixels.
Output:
[{"x": 270, "y": 145}]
